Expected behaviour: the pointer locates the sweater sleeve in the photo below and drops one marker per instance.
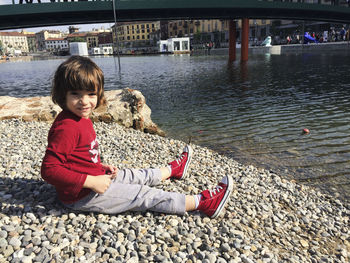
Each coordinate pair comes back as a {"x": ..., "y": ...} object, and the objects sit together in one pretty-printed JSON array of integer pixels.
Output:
[{"x": 55, "y": 170}]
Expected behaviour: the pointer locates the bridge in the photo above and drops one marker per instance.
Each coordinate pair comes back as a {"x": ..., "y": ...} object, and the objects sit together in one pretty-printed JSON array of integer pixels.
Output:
[{"x": 88, "y": 12}]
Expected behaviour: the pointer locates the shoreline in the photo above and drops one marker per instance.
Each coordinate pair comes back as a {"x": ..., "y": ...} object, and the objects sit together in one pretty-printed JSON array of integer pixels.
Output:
[
  {"x": 268, "y": 218},
  {"x": 273, "y": 50}
]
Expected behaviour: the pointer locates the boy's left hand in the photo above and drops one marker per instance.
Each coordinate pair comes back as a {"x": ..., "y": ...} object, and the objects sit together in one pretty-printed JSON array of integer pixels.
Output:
[{"x": 110, "y": 169}]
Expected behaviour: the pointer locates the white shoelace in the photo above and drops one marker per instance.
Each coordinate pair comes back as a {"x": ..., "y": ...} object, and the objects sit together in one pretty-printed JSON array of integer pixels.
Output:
[
  {"x": 178, "y": 160},
  {"x": 215, "y": 191}
]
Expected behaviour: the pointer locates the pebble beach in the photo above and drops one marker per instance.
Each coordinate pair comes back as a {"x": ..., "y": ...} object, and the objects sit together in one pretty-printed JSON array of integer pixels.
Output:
[{"x": 268, "y": 219}]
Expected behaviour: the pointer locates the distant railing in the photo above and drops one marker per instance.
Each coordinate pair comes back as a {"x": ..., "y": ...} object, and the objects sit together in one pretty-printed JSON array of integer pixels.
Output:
[
  {"x": 14, "y": 2},
  {"x": 319, "y": 2}
]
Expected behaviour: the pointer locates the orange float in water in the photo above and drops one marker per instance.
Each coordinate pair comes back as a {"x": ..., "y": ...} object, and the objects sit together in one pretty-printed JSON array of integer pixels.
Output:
[{"x": 306, "y": 131}]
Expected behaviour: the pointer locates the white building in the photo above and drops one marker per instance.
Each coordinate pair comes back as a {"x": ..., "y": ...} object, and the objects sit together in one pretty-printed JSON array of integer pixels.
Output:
[
  {"x": 175, "y": 45},
  {"x": 78, "y": 48},
  {"x": 101, "y": 50},
  {"x": 56, "y": 44},
  {"x": 45, "y": 34},
  {"x": 14, "y": 42}
]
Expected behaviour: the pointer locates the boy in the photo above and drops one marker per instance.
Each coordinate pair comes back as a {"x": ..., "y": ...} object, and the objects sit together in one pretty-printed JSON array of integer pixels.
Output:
[{"x": 72, "y": 161}]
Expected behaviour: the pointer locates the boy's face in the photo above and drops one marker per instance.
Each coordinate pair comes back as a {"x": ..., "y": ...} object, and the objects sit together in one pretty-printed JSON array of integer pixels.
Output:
[{"x": 81, "y": 102}]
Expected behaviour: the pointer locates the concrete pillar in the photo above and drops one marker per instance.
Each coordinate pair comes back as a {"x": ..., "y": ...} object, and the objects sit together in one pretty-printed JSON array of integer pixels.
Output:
[
  {"x": 232, "y": 41},
  {"x": 244, "y": 39}
]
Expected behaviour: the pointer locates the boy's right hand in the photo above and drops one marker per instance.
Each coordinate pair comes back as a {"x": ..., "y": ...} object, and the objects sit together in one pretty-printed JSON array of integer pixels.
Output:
[{"x": 98, "y": 183}]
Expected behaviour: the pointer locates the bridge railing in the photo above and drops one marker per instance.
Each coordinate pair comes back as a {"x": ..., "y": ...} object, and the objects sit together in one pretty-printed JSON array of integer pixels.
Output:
[
  {"x": 318, "y": 2},
  {"x": 345, "y": 3},
  {"x": 15, "y": 2}
]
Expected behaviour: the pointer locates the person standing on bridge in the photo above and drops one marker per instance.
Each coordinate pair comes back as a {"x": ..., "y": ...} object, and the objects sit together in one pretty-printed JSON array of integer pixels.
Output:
[{"x": 72, "y": 161}]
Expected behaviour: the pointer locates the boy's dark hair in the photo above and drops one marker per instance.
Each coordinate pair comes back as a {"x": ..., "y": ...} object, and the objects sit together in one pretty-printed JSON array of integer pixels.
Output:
[{"x": 77, "y": 73}]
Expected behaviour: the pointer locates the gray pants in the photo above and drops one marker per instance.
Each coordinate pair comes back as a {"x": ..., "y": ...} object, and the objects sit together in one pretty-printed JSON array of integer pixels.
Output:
[{"x": 131, "y": 191}]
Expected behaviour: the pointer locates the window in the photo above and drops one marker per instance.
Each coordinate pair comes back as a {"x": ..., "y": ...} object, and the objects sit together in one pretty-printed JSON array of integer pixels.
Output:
[
  {"x": 176, "y": 45},
  {"x": 184, "y": 45}
]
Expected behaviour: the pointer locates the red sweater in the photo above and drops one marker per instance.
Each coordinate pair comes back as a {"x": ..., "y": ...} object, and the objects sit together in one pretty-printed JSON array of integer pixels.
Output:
[{"x": 71, "y": 155}]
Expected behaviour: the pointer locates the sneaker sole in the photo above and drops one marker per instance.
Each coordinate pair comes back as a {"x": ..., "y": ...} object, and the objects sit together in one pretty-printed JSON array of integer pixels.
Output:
[
  {"x": 189, "y": 158},
  {"x": 225, "y": 198}
]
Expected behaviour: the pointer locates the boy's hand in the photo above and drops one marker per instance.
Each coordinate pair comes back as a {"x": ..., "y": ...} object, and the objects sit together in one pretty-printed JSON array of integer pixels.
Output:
[
  {"x": 110, "y": 169},
  {"x": 99, "y": 183}
]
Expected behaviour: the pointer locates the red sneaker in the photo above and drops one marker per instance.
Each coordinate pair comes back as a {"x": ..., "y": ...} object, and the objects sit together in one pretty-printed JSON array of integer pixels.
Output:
[
  {"x": 213, "y": 201},
  {"x": 180, "y": 166}
]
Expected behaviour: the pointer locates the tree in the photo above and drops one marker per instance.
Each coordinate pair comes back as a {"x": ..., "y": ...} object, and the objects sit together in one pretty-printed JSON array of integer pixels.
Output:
[
  {"x": 77, "y": 39},
  {"x": 1, "y": 48},
  {"x": 197, "y": 36}
]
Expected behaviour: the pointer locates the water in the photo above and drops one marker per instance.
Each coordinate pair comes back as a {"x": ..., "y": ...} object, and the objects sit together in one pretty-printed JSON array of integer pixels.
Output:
[{"x": 254, "y": 112}]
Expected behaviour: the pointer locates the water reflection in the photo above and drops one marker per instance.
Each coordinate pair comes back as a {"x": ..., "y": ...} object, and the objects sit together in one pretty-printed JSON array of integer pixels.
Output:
[{"x": 254, "y": 111}]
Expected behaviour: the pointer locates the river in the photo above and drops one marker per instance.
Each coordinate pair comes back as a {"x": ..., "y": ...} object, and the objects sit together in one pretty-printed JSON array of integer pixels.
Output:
[{"x": 254, "y": 112}]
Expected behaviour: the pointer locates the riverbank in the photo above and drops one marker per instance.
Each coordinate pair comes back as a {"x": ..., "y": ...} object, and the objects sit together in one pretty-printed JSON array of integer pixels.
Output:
[
  {"x": 282, "y": 49},
  {"x": 268, "y": 219}
]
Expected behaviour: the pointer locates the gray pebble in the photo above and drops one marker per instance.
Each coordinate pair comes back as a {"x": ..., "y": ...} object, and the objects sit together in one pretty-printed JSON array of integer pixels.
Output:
[{"x": 264, "y": 213}]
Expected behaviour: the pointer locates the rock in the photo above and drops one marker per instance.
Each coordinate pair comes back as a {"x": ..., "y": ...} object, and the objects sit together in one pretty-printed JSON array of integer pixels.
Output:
[
  {"x": 15, "y": 242},
  {"x": 127, "y": 107}
]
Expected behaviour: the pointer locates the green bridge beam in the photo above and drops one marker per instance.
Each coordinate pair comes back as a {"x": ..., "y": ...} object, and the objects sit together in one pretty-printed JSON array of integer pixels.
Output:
[{"x": 66, "y": 13}]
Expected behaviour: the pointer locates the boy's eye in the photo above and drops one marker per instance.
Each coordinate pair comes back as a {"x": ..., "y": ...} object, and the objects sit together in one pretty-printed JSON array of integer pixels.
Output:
[{"x": 92, "y": 94}]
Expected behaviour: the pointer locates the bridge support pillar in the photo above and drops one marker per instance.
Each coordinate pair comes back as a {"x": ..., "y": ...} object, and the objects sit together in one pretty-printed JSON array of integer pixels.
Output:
[
  {"x": 244, "y": 39},
  {"x": 232, "y": 41}
]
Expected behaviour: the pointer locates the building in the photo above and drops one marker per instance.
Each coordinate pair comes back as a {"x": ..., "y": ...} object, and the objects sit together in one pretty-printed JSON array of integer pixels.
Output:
[
  {"x": 77, "y": 37},
  {"x": 92, "y": 39},
  {"x": 175, "y": 45},
  {"x": 214, "y": 30},
  {"x": 78, "y": 48},
  {"x": 56, "y": 44},
  {"x": 102, "y": 50},
  {"x": 105, "y": 38},
  {"x": 31, "y": 40},
  {"x": 14, "y": 42},
  {"x": 45, "y": 34},
  {"x": 138, "y": 35},
  {"x": 73, "y": 29},
  {"x": 32, "y": 45},
  {"x": 191, "y": 28}
]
